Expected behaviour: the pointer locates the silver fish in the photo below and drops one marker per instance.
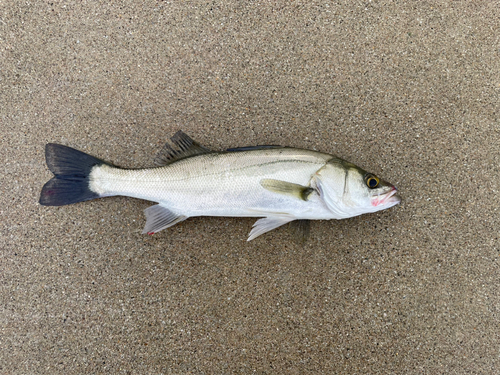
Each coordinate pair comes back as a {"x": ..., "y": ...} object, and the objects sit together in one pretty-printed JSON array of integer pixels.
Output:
[{"x": 278, "y": 184}]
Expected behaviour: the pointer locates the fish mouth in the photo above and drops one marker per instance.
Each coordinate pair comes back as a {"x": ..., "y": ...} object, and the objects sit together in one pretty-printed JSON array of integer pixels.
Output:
[{"x": 388, "y": 199}]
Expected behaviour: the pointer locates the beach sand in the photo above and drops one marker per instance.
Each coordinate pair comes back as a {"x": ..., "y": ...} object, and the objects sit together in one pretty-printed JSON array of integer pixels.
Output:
[{"x": 407, "y": 90}]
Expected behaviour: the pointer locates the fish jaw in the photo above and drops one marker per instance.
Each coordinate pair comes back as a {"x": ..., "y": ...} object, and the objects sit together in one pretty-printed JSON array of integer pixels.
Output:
[{"x": 386, "y": 200}]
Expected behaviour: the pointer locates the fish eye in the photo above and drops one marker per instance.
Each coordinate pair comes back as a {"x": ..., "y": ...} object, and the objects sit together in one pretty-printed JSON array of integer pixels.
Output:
[{"x": 371, "y": 181}]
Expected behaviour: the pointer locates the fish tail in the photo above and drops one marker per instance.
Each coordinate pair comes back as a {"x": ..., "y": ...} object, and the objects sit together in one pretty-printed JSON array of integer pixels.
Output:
[{"x": 71, "y": 169}]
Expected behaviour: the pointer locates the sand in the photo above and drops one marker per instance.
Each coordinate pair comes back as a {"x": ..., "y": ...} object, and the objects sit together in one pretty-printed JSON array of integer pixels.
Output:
[{"x": 408, "y": 90}]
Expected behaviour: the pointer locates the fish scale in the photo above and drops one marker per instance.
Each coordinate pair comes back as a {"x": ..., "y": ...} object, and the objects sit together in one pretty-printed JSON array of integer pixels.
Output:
[{"x": 227, "y": 188}]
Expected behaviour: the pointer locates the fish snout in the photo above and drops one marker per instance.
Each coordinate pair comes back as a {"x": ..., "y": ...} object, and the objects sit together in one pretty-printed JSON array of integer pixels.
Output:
[{"x": 388, "y": 199}]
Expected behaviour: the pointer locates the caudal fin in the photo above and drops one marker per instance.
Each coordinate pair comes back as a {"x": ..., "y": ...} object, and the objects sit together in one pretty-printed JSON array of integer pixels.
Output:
[{"x": 71, "y": 169}]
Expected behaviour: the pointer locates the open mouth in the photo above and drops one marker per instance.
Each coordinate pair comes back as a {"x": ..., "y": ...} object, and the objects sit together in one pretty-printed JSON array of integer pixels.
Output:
[{"x": 388, "y": 199}]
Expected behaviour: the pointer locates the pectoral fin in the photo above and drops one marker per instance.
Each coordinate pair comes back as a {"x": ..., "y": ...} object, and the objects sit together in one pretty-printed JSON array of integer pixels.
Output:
[
  {"x": 266, "y": 224},
  {"x": 159, "y": 217},
  {"x": 287, "y": 188}
]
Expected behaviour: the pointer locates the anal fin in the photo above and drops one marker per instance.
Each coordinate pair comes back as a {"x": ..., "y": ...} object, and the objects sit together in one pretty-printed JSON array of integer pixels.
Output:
[
  {"x": 266, "y": 224},
  {"x": 159, "y": 217}
]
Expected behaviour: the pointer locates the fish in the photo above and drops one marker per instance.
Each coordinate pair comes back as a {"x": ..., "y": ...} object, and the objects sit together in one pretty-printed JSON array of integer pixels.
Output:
[{"x": 277, "y": 184}]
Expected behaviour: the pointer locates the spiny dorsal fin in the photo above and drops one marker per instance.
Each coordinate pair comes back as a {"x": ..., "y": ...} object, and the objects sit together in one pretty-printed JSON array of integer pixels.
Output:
[
  {"x": 186, "y": 148},
  {"x": 287, "y": 188}
]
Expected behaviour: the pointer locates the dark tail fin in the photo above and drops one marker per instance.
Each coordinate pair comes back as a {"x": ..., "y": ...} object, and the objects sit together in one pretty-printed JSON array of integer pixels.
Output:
[{"x": 71, "y": 182}]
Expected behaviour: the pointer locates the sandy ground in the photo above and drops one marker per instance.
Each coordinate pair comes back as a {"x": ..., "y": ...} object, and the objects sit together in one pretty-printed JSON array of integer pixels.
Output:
[{"x": 408, "y": 90}]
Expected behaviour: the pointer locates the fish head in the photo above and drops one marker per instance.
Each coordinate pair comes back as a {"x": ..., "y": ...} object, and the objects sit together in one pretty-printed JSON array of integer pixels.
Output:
[{"x": 349, "y": 191}]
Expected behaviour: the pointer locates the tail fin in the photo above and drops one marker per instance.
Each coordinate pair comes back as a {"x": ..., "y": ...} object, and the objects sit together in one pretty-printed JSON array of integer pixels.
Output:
[{"x": 71, "y": 169}]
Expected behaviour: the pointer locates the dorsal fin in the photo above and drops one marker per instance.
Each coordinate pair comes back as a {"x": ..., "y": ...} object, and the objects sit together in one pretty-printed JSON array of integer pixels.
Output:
[
  {"x": 185, "y": 148},
  {"x": 250, "y": 148}
]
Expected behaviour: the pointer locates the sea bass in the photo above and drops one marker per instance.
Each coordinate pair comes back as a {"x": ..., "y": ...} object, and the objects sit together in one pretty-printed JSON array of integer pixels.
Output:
[{"x": 278, "y": 184}]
